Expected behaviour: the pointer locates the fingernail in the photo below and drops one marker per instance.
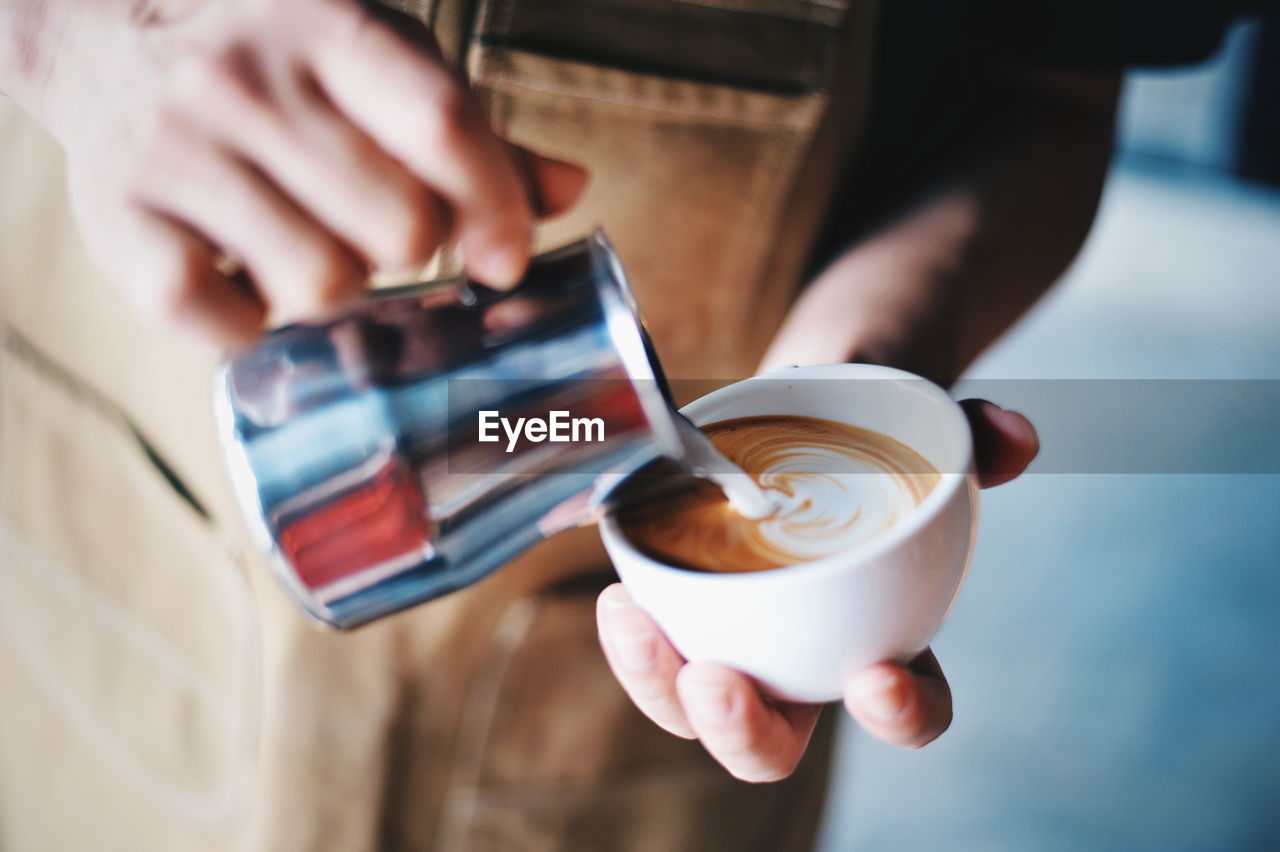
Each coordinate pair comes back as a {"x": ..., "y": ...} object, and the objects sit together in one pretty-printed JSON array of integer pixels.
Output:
[
  {"x": 1028, "y": 430},
  {"x": 633, "y": 651},
  {"x": 624, "y": 616},
  {"x": 616, "y": 597},
  {"x": 628, "y": 629},
  {"x": 883, "y": 697},
  {"x": 711, "y": 702}
]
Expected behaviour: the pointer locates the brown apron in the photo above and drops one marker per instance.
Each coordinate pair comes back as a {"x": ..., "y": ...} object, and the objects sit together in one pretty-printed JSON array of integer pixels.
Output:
[{"x": 156, "y": 689}]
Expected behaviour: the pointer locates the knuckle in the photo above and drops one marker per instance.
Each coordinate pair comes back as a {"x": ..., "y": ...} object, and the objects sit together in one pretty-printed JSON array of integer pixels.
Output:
[
  {"x": 161, "y": 153},
  {"x": 341, "y": 17},
  {"x": 452, "y": 102},
  {"x": 169, "y": 123},
  {"x": 340, "y": 22},
  {"x": 196, "y": 76},
  {"x": 447, "y": 112},
  {"x": 230, "y": 73}
]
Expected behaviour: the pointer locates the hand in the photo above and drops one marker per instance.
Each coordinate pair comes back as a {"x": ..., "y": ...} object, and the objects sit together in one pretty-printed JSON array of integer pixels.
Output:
[
  {"x": 758, "y": 738},
  {"x": 311, "y": 141}
]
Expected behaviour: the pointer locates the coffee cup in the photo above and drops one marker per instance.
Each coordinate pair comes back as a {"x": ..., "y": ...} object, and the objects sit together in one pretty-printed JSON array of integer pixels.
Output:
[{"x": 803, "y": 629}]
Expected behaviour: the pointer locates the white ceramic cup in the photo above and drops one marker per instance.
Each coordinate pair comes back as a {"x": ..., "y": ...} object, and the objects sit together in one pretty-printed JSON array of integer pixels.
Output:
[{"x": 803, "y": 630}]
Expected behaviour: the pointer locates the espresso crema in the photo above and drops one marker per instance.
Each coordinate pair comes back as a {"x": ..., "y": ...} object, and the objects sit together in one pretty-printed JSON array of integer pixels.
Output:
[{"x": 834, "y": 487}]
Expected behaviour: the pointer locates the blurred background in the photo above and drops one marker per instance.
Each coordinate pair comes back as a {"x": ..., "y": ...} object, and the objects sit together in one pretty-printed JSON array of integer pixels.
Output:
[{"x": 1113, "y": 656}]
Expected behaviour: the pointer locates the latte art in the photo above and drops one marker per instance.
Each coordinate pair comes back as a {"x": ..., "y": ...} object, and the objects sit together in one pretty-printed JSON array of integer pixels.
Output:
[{"x": 834, "y": 487}]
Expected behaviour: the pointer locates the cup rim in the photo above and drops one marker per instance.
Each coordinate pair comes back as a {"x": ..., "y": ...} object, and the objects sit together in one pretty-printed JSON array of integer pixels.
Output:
[{"x": 853, "y": 558}]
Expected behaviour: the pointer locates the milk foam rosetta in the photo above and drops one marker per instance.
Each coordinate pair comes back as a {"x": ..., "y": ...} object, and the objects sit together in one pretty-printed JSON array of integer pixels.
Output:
[{"x": 835, "y": 487}]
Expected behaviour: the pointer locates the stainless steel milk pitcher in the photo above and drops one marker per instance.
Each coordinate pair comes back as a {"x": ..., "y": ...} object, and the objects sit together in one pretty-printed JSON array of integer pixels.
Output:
[{"x": 363, "y": 448}]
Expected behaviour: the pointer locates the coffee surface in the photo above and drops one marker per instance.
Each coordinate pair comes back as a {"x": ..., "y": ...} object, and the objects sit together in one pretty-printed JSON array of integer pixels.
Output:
[{"x": 834, "y": 487}]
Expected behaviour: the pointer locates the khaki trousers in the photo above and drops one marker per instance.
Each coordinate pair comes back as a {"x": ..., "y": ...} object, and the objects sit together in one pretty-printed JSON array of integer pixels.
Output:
[{"x": 156, "y": 689}]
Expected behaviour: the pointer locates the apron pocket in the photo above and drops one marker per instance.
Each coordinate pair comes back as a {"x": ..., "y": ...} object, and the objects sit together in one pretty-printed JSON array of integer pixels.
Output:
[
  {"x": 554, "y": 755},
  {"x": 128, "y": 642},
  {"x": 693, "y": 182},
  {"x": 781, "y": 46}
]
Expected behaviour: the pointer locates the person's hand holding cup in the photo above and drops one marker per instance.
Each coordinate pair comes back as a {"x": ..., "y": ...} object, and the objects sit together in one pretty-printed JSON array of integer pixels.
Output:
[{"x": 742, "y": 659}]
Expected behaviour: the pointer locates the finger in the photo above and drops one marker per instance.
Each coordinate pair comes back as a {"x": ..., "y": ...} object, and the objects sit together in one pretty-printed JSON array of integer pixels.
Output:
[
  {"x": 642, "y": 659},
  {"x": 299, "y": 268},
  {"x": 907, "y": 707},
  {"x": 555, "y": 185},
  {"x": 331, "y": 169},
  {"x": 172, "y": 276},
  {"x": 516, "y": 313},
  {"x": 755, "y": 739},
  {"x": 1004, "y": 442},
  {"x": 407, "y": 100}
]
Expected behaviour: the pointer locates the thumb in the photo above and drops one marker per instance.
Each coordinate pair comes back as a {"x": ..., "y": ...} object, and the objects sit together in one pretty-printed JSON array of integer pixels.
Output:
[
  {"x": 1004, "y": 442},
  {"x": 554, "y": 185}
]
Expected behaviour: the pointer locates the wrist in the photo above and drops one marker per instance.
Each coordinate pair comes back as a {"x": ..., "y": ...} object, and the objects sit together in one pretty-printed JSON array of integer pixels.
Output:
[{"x": 876, "y": 305}]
